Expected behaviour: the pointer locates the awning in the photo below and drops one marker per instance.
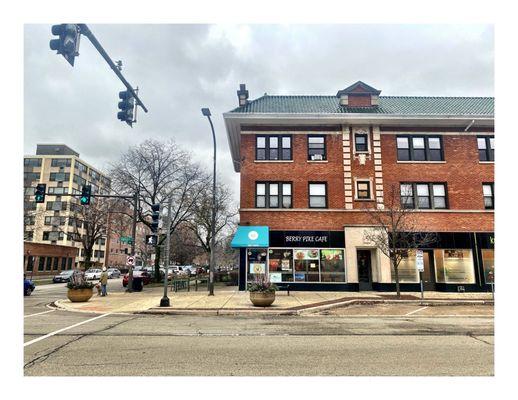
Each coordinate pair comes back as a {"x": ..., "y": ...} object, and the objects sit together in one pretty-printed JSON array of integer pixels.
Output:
[{"x": 251, "y": 236}]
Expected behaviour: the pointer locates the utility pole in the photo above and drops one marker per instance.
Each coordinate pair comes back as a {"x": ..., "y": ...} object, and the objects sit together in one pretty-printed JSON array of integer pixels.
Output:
[{"x": 164, "y": 302}]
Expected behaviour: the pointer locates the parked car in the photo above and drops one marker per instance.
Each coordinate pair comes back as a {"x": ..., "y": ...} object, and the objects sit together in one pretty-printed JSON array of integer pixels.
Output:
[
  {"x": 28, "y": 286},
  {"x": 93, "y": 273},
  {"x": 64, "y": 276},
  {"x": 146, "y": 277},
  {"x": 113, "y": 273}
]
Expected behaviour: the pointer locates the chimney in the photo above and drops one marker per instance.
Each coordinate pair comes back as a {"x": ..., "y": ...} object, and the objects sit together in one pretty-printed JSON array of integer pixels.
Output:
[{"x": 242, "y": 95}]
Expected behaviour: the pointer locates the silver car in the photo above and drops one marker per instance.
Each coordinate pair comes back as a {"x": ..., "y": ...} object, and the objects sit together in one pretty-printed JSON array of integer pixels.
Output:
[{"x": 113, "y": 273}]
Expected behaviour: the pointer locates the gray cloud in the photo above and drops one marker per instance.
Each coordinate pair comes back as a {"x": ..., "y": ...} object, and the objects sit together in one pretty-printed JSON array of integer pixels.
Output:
[{"x": 181, "y": 68}]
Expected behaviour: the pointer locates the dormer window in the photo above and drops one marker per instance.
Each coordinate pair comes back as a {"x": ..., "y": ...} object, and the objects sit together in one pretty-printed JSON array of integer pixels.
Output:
[{"x": 359, "y": 95}]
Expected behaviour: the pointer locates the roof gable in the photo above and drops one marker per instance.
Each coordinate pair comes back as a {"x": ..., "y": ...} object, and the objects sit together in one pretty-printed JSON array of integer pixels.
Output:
[{"x": 358, "y": 88}]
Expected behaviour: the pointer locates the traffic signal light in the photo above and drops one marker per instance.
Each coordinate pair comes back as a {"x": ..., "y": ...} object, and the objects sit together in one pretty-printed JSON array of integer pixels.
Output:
[
  {"x": 126, "y": 106},
  {"x": 67, "y": 42},
  {"x": 86, "y": 193},
  {"x": 39, "y": 194},
  {"x": 155, "y": 216}
]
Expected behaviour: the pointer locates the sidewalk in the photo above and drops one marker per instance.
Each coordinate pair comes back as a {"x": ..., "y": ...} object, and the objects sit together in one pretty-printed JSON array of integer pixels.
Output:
[{"x": 231, "y": 301}]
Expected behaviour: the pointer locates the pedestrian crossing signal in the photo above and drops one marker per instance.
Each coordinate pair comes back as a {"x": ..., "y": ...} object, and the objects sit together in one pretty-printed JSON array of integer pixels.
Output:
[{"x": 151, "y": 240}]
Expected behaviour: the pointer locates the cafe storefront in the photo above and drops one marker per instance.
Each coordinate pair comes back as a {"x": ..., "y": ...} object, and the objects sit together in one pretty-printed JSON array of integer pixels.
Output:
[{"x": 293, "y": 260}]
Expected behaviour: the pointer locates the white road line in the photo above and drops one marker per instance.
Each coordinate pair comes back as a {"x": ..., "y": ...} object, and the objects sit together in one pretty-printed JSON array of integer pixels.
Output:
[
  {"x": 32, "y": 315},
  {"x": 62, "y": 330},
  {"x": 419, "y": 309}
]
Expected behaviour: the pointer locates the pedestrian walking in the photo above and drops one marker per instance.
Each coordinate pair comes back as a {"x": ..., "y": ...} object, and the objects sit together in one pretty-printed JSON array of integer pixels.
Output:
[{"x": 103, "y": 280}]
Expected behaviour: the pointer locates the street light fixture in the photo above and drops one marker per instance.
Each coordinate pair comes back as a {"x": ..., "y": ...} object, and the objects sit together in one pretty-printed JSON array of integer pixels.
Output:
[{"x": 206, "y": 113}]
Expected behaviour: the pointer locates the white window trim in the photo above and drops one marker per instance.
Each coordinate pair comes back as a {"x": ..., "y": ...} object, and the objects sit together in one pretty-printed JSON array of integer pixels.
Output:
[
  {"x": 363, "y": 131},
  {"x": 371, "y": 186}
]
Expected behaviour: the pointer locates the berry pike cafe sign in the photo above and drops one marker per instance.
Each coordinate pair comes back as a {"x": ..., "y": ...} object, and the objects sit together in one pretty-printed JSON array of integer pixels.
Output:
[{"x": 309, "y": 240}]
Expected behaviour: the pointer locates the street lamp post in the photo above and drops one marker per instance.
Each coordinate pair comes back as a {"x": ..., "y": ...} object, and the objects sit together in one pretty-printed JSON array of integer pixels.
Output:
[
  {"x": 164, "y": 301},
  {"x": 206, "y": 113}
]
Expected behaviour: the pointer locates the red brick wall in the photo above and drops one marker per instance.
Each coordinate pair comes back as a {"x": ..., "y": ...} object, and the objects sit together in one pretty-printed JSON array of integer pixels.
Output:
[
  {"x": 462, "y": 172},
  {"x": 359, "y": 100},
  {"x": 300, "y": 171}
]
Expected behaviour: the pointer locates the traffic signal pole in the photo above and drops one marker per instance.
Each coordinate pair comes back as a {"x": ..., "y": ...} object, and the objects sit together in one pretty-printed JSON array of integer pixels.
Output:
[
  {"x": 134, "y": 234},
  {"x": 88, "y": 33}
]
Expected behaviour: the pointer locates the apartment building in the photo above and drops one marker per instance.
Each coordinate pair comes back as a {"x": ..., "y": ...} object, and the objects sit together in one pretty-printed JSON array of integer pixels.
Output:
[
  {"x": 64, "y": 172},
  {"x": 311, "y": 166}
]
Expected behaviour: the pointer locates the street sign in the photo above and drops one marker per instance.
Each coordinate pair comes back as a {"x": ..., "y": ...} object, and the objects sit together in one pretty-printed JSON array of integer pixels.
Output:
[
  {"x": 126, "y": 239},
  {"x": 130, "y": 260},
  {"x": 419, "y": 260},
  {"x": 151, "y": 240}
]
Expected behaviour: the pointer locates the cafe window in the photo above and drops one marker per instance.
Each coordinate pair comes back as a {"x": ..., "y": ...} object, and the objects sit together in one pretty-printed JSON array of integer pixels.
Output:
[
  {"x": 273, "y": 195},
  {"x": 488, "y": 263},
  {"x": 423, "y": 195},
  {"x": 55, "y": 264},
  {"x": 273, "y": 148},
  {"x": 363, "y": 190},
  {"x": 361, "y": 144},
  {"x": 318, "y": 195},
  {"x": 316, "y": 148},
  {"x": 70, "y": 263},
  {"x": 256, "y": 263},
  {"x": 489, "y": 196},
  {"x": 63, "y": 263},
  {"x": 280, "y": 265},
  {"x": 407, "y": 269},
  {"x": 419, "y": 148},
  {"x": 48, "y": 265},
  {"x": 332, "y": 265},
  {"x": 307, "y": 265},
  {"x": 454, "y": 266},
  {"x": 486, "y": 148}
]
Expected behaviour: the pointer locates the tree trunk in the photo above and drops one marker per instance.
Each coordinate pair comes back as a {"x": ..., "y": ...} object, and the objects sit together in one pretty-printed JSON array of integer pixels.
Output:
[
  {"x": 88, "y": 259},
  {"x": 157, "y": 264},
  {"x": 396, "y": 272}
]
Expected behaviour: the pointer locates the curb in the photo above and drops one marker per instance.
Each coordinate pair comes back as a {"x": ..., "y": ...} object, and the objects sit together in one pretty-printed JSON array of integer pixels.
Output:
[{"x": 298, "y": 310}]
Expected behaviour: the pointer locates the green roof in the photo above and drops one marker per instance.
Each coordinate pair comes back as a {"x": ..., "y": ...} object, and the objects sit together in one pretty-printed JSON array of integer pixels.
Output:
[{"x": 392, "y": 105}]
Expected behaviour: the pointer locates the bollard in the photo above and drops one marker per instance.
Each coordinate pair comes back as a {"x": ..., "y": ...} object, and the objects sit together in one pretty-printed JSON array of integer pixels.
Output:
[{"x": 288, "y": 289}]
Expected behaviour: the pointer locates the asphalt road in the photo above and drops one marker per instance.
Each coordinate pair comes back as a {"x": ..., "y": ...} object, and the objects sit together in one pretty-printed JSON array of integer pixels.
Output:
[{"x": 314, "y": 345}]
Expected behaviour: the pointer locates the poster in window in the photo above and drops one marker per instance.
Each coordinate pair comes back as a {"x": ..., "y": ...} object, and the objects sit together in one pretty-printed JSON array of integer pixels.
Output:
[
  {"x": 299, "y": 277},
  {"x": 275, "y": 277},
  {"x": 285, "y": 265},
  {"x": 257, "y": 268},
  {"x": 306, "y": 254}
]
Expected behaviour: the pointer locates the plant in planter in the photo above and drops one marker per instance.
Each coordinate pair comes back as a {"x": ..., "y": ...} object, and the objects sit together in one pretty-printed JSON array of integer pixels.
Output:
[
  {"x": 262, "y": 292},
  {"x": 79, "y": 289}
]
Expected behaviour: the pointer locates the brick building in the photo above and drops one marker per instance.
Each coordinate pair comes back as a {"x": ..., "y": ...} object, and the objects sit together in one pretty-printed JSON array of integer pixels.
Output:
[
  {"x": 40, "y": 259},
  {"x": 311, "y": 165}
]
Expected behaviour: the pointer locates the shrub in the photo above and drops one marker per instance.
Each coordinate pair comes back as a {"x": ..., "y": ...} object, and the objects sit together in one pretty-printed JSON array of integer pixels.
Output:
[
  {"x": 78, "y": 281},
  {"x": 261, "y": 284}
]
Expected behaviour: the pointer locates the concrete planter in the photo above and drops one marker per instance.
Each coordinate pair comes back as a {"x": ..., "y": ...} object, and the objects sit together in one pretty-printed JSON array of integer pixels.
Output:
[
  {"x": 262, "y": 299},
  {"x": 79, "y": 295}
]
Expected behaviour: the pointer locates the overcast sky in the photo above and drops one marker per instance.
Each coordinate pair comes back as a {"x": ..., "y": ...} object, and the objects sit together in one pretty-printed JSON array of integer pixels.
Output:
[{"x": 182, "y": 68}]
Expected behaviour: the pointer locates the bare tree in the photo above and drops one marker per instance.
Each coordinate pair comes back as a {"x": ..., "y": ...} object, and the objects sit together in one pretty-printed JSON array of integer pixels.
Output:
[
  {"x": 201, "y": 222},
  {"x": 93, "y": 219},
  {"x": 160, "y": 171},
  {"x": 395, "y": 230}
]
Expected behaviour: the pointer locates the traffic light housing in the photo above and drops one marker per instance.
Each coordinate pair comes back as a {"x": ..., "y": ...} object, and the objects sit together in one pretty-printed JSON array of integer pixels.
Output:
[
  {"x": 67, "y": 41},
  {"x": 39, "y": 193},
  {"x": 86, "y": 193},
  {"x": 126, "y": 106},
  {"x": 155, "y": 216}
]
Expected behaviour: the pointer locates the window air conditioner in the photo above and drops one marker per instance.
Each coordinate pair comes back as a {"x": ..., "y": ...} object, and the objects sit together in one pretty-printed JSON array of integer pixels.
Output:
[{"x": 316, "y": 157}]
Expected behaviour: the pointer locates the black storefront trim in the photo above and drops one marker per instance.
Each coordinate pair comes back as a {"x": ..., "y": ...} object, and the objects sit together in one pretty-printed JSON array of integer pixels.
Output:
[{"x": 439, "y": 287}]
